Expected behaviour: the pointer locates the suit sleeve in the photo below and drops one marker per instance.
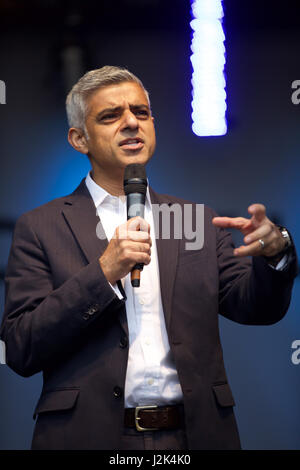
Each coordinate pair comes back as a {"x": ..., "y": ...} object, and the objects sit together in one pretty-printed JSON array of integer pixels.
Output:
[
  {"x": 41, "y": 323},
  {"x": 250, "y": 291}
]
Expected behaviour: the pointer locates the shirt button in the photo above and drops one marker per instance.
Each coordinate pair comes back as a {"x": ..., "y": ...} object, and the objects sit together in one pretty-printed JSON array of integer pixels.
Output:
[
  {"x": 150, "y": 381},
  {"x": 141, "y": 301},
  {"x": 147, "y": 342},
  {"x": 118, "y": 392}
]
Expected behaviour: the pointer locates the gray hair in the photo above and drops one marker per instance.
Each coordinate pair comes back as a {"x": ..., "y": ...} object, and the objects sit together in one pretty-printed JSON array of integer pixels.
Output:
[{"x": 76, "y": 102}]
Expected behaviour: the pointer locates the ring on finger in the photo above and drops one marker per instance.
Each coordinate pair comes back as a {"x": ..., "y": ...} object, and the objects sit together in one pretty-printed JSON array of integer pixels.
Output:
[{"x": 262, "y": 243}]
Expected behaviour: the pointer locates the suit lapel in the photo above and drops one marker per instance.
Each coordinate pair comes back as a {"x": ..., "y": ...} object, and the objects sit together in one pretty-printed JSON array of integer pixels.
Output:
[
  {"x": 81, "y": 215},
  {"x": 167, "y": 251},
  {"x": 82, "y": 218}
]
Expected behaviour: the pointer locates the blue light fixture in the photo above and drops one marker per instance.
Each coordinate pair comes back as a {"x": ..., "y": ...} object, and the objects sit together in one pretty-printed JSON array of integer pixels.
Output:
[{"x": 208, "y": 61}]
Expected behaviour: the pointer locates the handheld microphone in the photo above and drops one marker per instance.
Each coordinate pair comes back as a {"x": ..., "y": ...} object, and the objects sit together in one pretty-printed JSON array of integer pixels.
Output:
[{"x": 135, "y": 188}]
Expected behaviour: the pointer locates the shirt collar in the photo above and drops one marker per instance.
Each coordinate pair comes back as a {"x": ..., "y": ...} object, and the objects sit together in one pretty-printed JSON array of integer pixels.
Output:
[{"x": 99, "y": 194}]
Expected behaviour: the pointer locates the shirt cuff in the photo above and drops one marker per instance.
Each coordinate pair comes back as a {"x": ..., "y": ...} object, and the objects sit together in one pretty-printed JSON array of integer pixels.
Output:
[
  {"x": 116, "y": 290},
  {"x": 281, "y": 264}
]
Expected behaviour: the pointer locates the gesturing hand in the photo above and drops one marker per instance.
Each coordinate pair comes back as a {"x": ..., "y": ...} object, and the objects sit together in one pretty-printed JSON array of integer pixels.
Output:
[
  {"x": 130, "y": 244},
  {"x": 258, "y": 228}
]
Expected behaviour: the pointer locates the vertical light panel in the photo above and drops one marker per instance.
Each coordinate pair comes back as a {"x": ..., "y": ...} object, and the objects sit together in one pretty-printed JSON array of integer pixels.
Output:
[{"x": 208, "y": 61}]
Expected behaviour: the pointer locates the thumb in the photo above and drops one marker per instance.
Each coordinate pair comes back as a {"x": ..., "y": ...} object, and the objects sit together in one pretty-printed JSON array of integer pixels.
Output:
[{"x": 258, "y": 212}]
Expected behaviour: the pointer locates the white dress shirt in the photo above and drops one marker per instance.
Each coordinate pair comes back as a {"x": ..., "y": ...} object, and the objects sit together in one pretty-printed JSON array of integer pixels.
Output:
[{"x": 151, "y": 376}]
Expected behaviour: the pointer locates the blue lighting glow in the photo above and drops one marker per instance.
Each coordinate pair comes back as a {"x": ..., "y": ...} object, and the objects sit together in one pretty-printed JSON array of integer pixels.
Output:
[{"x": 208, "y": 61}]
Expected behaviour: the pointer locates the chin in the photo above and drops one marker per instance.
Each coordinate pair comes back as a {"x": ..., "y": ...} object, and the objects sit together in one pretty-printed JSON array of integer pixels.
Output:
[{"x": 141, "y": 159}]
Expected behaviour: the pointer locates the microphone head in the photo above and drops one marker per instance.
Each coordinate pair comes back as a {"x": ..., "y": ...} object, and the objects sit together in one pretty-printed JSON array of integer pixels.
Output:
[{"x": 135, "y": 179}]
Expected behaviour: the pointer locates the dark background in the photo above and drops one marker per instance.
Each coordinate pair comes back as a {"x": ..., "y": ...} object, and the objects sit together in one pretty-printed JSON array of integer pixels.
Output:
[{"x": 256, "y": 161}]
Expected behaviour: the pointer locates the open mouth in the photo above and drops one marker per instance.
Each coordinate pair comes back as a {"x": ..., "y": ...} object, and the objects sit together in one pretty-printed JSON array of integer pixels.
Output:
[{"x": 132, "y": 144}]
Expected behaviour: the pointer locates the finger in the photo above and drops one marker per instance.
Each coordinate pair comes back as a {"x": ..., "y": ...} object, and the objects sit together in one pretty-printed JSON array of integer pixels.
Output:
[
  {"x": 253, "y": 249},
  {"x": 258, "y": 211},
  {"x": 141, "y": 257},
  {"x": 138, "y": 223},
  {"x": 261, "y": 232},
  {"x": 138, "y": 252},
  {"x": 140, "y": 236},
  {"x": 130, "y": 247},
  {"x": 231, "y": 222},
  {"x": 141, "y": 248}
]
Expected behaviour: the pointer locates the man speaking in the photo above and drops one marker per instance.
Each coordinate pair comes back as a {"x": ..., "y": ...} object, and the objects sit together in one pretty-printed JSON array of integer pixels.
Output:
[{"x": 129, "y": 367}]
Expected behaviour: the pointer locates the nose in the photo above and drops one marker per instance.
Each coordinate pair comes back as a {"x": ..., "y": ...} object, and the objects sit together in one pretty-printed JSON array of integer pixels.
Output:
[{"x": 129, "y": 120}]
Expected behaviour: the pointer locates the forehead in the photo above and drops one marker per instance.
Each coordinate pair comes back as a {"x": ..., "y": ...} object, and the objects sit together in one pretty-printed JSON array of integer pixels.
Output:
[{"x": 121, "y": 94}]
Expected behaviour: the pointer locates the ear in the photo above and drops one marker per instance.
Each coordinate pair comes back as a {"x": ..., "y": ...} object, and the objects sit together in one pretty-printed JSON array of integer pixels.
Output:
[{"x": 77, "y": 139}]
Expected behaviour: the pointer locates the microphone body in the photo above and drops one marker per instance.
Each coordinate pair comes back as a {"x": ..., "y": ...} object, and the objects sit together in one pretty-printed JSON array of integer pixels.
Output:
[
  {"x": 135, "y": 187},
  {"x": 135, "y": 205}
]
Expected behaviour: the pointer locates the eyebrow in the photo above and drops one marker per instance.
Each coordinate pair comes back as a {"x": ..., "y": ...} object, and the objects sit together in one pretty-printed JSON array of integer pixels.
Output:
[{"x": 117, "y": 109}]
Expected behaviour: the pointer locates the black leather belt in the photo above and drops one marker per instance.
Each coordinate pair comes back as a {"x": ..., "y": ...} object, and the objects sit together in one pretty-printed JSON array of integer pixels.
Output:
[{"x": 154, "y": 418}]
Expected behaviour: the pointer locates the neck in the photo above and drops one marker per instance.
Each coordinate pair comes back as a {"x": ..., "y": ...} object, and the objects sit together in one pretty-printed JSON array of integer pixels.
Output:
[{"x": 113, "y": 186}]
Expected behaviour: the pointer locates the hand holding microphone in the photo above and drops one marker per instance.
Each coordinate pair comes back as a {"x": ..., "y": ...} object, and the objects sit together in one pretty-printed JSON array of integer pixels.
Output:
[
  {"x": 130, "y": 247},
  {"x": 135, "y": 188}
]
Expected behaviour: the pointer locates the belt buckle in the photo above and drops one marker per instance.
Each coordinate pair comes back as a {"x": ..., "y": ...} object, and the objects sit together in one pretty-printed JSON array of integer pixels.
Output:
[{"x": 137, "y": 417}]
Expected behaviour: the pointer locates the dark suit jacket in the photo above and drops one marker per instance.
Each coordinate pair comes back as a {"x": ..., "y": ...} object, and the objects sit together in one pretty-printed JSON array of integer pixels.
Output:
[{"x": 62, "y": 317}]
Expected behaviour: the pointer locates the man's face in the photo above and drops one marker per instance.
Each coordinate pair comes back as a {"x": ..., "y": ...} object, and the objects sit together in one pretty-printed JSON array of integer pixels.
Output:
[{"x": 120, "y": 128}]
